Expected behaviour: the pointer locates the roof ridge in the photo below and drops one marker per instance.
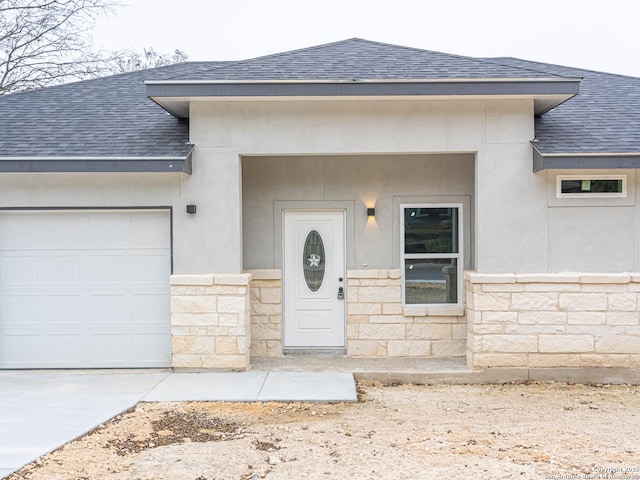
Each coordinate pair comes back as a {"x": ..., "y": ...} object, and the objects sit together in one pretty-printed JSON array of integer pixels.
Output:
[
  {"x": 473, "y": 60},
  {"x": 453, "y": 55},
  {"x": 496, "y": 60},
  {"x": 278, "y": 54},
  {"x": 416, "y": 49},
  {"x": 557, "y": 65},
  {"x": 375, "y": 42}
]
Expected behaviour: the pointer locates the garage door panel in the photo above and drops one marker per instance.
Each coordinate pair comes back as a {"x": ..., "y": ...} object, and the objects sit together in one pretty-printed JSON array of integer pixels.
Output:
[
  {"x": 56, "y": 231},
  {"x": 110, "y": 268},
  {"x": 57, "y": 349},
  {"x": 110, "y": 231},
  {"x": 18, "y": 270},
  {"x": 110, "y": 309},
  {"x": 18, "y": 232},
  {"x": 147, "y": 232},
  {"x": 20, "y": 349},
  {"x": 41, "y": 350},
  {"x": 59, "y": 269},
  {"x": 150, "y": 308},
  {"x": 148, "y": 268},
  {"x": 19, "y": 310},
  {"x": 111, "y": 348},
  {"x": 61, "y": 309},
  {"x": 151, "y": 348},
  {"x": 89, "y": 298}
]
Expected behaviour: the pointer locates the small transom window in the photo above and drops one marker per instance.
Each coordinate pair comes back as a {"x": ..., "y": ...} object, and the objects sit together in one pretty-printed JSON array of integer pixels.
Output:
[{"x": 592, "y": 186}]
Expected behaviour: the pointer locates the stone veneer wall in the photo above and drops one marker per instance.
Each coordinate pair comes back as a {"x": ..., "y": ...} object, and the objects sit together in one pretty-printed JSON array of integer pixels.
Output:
[
  {"x": 553, "y": 320},
  {"x": 210, "y": 321},
  {"x": 379, "y": 326},
  {"x": 266, "y": 313}
]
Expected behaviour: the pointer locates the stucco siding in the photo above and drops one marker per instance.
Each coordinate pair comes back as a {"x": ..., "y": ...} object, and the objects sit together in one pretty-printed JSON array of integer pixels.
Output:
[
  {"x": 88, "y": 189},
  {"x": 593, "y": 234},
  {"x": 211, "y": 241},
  {"x": 511, "y": 212},
  {"x": 596, "y": 239},
  {"x": 382, "y": 181},
  {"x": 372, "y": 149},
  {"x": 344, "y": 126}
]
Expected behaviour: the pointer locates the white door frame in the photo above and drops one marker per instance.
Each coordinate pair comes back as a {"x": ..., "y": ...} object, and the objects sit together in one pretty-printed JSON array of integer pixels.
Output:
[{"x": 294, "y": 295}]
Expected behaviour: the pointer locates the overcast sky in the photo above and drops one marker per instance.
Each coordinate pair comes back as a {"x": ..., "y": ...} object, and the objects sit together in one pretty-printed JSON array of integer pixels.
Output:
[{"x": 593, "y": 34}]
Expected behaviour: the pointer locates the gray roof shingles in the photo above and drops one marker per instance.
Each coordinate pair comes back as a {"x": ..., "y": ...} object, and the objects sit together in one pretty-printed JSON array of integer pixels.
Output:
[
  {"x": 102, "y": 117},
  {"x": 362, "y": 59},
  {"x": 603, "y": 118},
  {"x": 113, "y": 117}
]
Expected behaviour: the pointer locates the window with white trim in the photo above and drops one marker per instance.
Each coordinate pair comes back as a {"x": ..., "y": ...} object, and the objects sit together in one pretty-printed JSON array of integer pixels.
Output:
[
  {"x": 591, "y": 186},
  {"x": 431, "y": 260}
]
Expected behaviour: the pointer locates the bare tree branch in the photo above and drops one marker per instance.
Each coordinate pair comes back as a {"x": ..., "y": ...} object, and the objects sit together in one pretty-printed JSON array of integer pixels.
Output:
[
  {"x": 129, "y": 61},
  {"x": 46, "y": 42},
  {"x": 43, "y": 42}
]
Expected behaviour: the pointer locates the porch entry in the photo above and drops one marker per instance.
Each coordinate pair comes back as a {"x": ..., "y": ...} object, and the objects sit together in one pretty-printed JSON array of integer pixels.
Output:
[{"x": 314, "y": 280}]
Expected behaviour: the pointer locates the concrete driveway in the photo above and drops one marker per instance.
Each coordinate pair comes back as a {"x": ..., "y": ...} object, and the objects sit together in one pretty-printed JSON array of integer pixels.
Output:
[{"x": 40, "y": 412}]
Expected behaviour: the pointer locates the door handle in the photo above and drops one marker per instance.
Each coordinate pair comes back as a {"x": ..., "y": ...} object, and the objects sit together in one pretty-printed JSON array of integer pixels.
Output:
[{"x": 340, "y": 293}]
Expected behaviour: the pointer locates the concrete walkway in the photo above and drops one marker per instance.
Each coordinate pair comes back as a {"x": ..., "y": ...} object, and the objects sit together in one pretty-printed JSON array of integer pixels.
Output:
[
  {"x": 40, "y": 412},
  {"x": 256, "y": 387}
]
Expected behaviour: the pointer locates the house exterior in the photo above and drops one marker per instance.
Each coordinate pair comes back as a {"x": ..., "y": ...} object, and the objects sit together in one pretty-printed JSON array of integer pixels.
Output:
[{"x": 355, "y": 197}]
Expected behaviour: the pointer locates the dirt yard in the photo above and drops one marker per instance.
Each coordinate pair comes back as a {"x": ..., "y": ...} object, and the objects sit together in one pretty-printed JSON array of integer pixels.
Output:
[{"x": 545, "y": 431}]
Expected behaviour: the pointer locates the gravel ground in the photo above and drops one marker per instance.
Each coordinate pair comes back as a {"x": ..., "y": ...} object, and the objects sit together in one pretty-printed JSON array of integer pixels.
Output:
[{"x": 545, "y": 431}]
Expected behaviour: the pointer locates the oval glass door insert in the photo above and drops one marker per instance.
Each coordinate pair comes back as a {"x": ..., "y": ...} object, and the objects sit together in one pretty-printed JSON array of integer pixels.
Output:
[{"x": 313, "y": 261}]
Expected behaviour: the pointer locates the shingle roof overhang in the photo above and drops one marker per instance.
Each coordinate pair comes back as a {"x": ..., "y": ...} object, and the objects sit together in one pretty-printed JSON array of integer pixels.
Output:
[
  {"x": 95, "y": 164},
  {"x": 174, "y": 95},
  {"x": 577, "y": 161}
]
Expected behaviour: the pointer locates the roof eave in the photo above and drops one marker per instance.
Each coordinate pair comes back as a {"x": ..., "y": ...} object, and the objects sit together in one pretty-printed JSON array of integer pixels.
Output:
[
  {"x": 62, "y": 164},
  {"x": 584, "y": 160},
  {"x": 174, "y": 96}
]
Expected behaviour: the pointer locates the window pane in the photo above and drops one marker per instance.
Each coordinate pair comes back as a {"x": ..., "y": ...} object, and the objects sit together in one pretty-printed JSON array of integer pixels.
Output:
[
  {"x": 430, "y": 230},
  {"x": 430, "y": 281},
  {"x": 591, "y": 186},
  {"x": 313, "y": 261}
]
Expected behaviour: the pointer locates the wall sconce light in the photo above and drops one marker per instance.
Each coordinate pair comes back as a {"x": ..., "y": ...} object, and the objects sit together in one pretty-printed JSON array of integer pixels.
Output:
[
  {"x": 371, "y": 212},
  {"x": 191, "y": 209}
]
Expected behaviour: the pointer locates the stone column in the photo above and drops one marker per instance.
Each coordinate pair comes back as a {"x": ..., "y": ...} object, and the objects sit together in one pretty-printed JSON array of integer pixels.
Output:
[{"x": 210, "y": 321}]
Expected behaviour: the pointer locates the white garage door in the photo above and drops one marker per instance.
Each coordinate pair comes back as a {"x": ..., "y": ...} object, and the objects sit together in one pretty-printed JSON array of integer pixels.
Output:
[{"x": 85, "y": 289}]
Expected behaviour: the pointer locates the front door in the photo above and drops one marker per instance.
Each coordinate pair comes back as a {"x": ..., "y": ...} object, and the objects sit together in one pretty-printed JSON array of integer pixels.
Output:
[{"x": 314, "y": 280}]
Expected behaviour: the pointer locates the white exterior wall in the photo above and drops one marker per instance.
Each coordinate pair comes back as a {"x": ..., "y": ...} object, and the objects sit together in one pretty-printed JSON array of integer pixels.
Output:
[
  {"x": 381, "y": 181},
  {"x": 593, "y": 234},
  {"x": 511, "y": 231},
  {"x": 89, "y": 189},
  {"x": 497, "y": 131}
]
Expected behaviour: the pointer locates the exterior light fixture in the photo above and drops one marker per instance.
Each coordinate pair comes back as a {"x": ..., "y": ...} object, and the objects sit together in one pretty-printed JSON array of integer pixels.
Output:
[
  {"x": 191, "y": 209},
  {"x": 371, "y": 212}
]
